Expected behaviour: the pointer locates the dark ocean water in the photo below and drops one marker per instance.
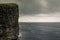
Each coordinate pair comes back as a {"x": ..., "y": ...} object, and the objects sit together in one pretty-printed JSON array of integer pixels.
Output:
[{"x": 39, "y": 31}]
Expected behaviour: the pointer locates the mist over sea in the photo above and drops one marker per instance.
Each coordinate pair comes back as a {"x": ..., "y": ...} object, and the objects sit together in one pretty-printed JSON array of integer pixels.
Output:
[{"x": 39, "y": 31}]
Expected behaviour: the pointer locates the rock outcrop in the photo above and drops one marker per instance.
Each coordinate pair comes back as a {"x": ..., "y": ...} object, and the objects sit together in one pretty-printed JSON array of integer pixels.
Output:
[{"x": 9, "y": 28}]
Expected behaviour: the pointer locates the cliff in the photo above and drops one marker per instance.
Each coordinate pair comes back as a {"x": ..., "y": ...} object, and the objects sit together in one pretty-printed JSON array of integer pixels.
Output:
[{"x": 9, "y": 28}]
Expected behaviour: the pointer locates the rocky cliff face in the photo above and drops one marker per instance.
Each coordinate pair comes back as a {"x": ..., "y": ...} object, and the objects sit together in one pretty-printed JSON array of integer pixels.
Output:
[{"x": 9, "y": 21}]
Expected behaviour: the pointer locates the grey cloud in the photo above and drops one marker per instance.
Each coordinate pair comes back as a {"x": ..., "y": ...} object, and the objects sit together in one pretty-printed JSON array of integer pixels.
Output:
[
  {"x": 54, "y": 5},
  {"x": 31, "y": 7}
]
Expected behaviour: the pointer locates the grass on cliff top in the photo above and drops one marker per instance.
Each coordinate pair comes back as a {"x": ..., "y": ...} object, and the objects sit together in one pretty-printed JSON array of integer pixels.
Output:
[{"x": 8, "y": 4}]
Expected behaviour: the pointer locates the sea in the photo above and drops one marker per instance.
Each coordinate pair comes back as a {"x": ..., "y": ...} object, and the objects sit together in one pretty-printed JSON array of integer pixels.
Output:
[{"x": 39, "y": 31}]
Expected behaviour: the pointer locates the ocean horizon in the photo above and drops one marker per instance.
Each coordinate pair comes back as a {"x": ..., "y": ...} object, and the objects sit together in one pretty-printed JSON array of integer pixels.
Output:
[{"x": 39, "y": 30}]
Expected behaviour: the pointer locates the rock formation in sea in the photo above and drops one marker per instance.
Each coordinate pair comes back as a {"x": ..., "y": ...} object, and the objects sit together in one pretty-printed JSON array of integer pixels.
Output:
[{"x": 9, "y": 29}]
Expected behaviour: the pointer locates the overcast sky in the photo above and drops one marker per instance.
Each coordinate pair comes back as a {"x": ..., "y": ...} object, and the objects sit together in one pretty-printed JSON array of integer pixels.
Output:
[{"x": 37, "y": 10}]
